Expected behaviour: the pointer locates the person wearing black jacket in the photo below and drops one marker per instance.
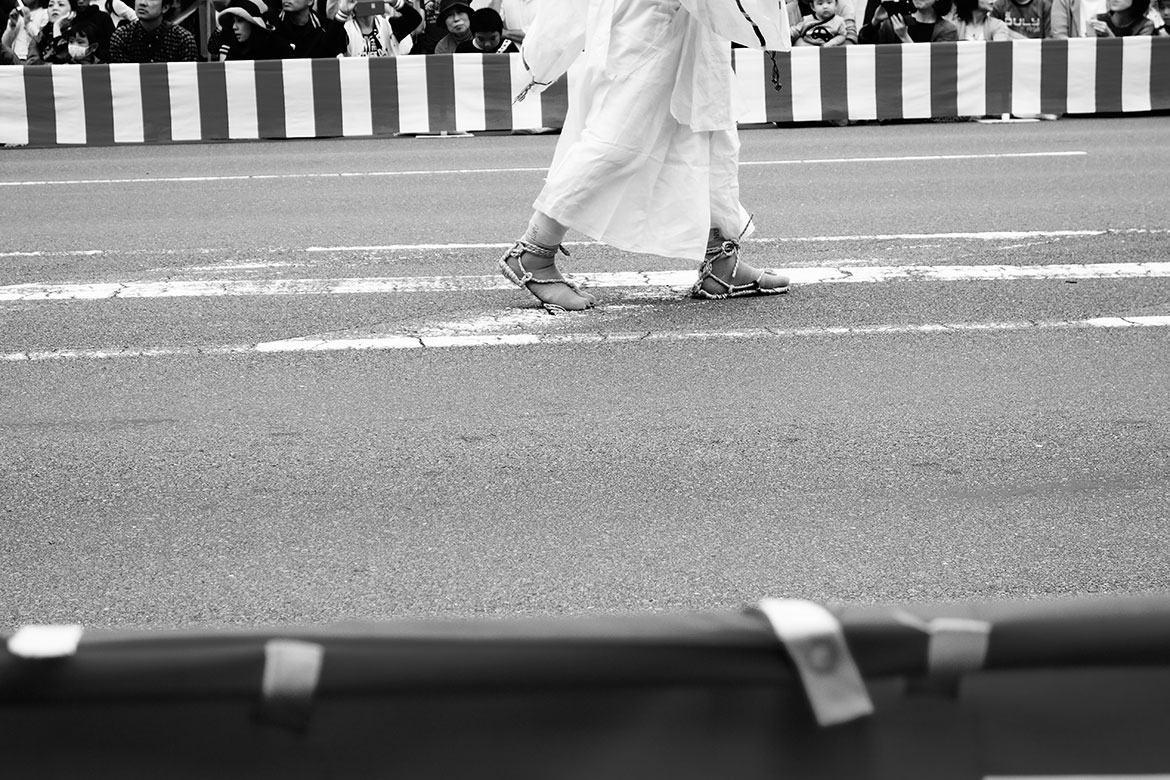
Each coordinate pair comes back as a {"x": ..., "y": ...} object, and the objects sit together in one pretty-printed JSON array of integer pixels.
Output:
[
  {"x": 254, "y": 38},
  {"x": 306, "y": 33}
]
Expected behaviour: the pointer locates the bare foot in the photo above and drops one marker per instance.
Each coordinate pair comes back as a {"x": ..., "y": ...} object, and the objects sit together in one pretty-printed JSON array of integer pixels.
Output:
[
  {"x": 541, "y": 277},
  {"x": 730, "y": 277}
]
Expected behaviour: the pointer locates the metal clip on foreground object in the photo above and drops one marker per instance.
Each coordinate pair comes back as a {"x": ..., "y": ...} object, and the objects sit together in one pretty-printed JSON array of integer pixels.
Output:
[{"x": 815, "y": 642}]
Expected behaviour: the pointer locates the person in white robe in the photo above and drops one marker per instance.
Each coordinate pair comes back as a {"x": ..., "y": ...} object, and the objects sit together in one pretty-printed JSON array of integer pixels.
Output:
[{"x": 648, "y": 157}]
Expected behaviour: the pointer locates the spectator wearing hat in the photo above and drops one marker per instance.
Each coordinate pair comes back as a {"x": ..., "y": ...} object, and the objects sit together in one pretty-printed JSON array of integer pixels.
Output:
[
  {"x": 253, "y": 34},
  {"x": 487, "y": 35},
  {"x": 379, "y": 29},
  {"x": 299, "y": 24},
  {"x": 152, "y": 38},
  {"x": 455, "y": 15}
]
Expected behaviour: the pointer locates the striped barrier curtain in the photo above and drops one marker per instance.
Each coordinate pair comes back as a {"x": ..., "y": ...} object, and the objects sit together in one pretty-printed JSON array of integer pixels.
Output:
[{"x": 163, "y": 103}]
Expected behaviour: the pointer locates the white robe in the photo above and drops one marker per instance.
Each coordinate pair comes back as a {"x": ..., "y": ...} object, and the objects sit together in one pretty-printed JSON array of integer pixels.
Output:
[{"x": 647, "y": 160}]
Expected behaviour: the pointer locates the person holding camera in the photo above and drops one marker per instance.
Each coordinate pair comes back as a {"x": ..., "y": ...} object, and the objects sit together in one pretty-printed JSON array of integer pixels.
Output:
[
  {"x": 378, "y": 29},
  {"x": 915, "y": 21}
]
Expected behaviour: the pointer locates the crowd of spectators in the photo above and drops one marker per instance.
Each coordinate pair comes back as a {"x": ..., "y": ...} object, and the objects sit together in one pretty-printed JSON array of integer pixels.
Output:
[{"x": 96, "y": 31}]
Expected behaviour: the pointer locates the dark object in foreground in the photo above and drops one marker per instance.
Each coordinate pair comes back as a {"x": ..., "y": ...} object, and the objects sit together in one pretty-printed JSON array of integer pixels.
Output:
[{"x": 958, "y": 691}]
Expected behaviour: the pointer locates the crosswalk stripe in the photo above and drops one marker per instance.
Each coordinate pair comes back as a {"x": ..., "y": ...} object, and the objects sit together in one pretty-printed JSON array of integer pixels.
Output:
[
  {"x": 668, "y": 279},
  {"x": 407, "y": 342}
]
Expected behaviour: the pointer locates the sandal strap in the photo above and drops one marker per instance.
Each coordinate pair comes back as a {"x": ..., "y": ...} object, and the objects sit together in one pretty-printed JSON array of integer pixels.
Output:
[{"x": 518, "y": 250}]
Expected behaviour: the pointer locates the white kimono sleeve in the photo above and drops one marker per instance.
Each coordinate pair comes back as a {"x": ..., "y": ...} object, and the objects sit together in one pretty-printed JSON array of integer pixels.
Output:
[
  {"x": 757, "y": 24},
  {"x": 553, "y": 42}
]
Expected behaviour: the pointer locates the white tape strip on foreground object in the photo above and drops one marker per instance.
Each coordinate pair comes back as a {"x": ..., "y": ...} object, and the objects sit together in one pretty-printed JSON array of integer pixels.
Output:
[
  {"x": 956, "y": 645},
  {"x": 816, "y": 644},
  {"x": 45, "y": 641},
  {"x": 291, "y": 671}
]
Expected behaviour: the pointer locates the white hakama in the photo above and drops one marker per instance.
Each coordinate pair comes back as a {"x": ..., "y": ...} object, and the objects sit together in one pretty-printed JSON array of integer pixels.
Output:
[{"x": 648, "y": 158}]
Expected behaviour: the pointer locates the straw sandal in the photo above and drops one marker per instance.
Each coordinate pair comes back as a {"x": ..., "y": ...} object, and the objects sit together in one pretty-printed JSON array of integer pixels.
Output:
[
  {"x": 525, "y": 277},
  {"x": 730, "y": 248}
]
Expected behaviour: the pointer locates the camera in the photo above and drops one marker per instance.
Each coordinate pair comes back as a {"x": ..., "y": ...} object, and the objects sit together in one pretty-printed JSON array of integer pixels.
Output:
[{"x": 893, "y": 7}]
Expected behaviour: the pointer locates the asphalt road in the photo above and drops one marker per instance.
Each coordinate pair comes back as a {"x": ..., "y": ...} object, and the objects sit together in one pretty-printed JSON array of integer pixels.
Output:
[{"x": 905, "y": 439}]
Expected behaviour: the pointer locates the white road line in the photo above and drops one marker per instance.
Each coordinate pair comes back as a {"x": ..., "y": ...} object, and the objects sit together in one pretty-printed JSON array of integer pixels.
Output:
[
  {"x": 998, "y": 235},
  {"x": 496, "y": 171},
  {"x": 400, "y": 342},
  {"x": 994, "y": 235},
  {"x": 669, "y": 279}
]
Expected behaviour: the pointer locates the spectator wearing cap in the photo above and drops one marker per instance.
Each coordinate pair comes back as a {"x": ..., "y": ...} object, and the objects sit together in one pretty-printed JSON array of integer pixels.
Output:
[
  {"x": 152, "y": 38},
  {"x": 455, "y": 15},
  {"x": 487, "y": 35},
  {"x": 379, "y": 29},
  {"x": 254, "y": 38}
]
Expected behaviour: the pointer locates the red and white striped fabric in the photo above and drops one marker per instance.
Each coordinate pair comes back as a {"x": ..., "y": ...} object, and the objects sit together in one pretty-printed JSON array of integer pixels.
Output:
[
  {"x": 1077, "y": 76},
  {"x": 163, "y": 103}
]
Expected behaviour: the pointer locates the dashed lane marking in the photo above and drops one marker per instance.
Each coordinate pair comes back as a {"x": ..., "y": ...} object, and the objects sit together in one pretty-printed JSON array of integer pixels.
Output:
[
  {"x": 401, "y": 342},
  {"x": 497, "y": 171},
  {"x": 666, "y": 279}
]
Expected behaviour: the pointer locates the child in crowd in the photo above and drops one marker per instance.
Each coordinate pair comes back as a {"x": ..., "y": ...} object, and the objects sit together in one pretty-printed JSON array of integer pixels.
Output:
[
  {"x": 88, "y": 37},
  {"x": 1162, "y": 11},
  {"x": 974, "y": 22},
  {"x": 253, "y": 38},
  {"x": 455, "y": 15},
  {"x": 823, "y": 27},
  {"x": 1123, "y": 18},
  {"x": 373, "y": 33},
  {"x": 487, "y": 35}
]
